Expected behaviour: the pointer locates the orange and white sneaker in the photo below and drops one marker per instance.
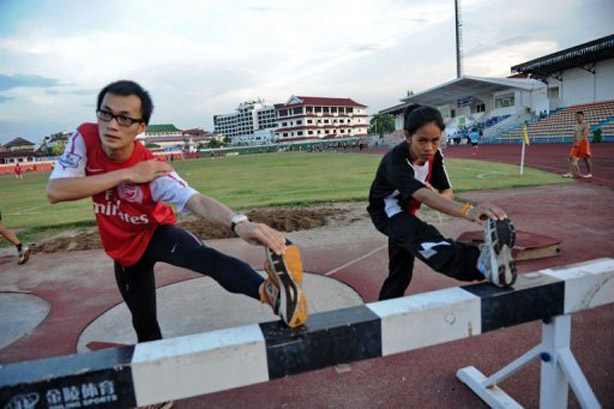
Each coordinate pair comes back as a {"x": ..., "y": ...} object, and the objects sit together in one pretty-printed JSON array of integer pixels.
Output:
[
  {"x": 269, "y": 294},
  {"x": 286, "y": 276}
]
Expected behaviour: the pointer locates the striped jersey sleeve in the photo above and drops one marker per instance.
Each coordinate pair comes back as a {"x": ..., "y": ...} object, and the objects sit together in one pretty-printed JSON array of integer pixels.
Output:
[
  {"x": 172, "y": 189},
  {"x": 73, "y": 161}
]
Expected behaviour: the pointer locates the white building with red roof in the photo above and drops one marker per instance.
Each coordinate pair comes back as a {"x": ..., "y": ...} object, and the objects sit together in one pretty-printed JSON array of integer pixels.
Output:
[{"x": 317, "y": 118}]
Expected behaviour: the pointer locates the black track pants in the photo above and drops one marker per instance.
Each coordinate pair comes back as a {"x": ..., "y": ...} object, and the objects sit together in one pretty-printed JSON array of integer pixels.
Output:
[
  {"x": 410, "y": 237},
  {"x": 178, "y": 247}
]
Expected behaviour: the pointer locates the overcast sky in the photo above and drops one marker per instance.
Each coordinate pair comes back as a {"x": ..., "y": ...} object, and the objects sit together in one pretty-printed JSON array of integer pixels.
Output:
[{"x": 199, "y": 58}]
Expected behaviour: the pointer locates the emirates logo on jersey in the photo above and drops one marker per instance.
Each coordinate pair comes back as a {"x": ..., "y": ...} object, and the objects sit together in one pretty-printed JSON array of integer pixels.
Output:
[{"x": 130, "y": 193}]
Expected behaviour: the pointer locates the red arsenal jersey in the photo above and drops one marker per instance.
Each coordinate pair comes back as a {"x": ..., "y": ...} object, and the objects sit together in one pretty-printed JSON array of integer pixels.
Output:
[{"x": 127, "y": 214}]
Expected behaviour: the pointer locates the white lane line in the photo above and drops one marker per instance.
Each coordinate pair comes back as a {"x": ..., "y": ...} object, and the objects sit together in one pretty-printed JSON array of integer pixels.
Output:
[{"x": 349, "y": 263}]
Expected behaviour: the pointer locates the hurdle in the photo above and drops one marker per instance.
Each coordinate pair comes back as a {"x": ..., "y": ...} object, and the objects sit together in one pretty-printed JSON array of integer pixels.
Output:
[{"x": 204, "y": 363}]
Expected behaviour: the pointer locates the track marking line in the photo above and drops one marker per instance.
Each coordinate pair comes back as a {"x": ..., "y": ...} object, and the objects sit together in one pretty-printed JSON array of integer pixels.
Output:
[{"x": 349, "y": 263}]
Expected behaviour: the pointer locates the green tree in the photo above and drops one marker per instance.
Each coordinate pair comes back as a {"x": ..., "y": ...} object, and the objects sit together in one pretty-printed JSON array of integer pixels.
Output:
[
  {"x": 58, "y": 148},
  {"x": 381, "y": 124},
  {"x": 216, "y": 143}
]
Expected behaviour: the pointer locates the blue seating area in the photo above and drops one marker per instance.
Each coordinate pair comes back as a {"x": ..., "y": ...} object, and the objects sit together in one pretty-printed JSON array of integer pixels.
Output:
[{"x": 493, "y": 121}]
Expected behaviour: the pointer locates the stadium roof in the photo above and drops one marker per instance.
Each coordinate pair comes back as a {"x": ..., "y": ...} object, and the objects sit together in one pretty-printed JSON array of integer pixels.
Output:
[
  {"x": 460, "y": 88},
  {"x": 578, "y": 56}
]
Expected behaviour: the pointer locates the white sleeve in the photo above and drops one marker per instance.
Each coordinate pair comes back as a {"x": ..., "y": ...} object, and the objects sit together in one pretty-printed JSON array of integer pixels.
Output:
[
  {"x": 72, "y": 162},
  {"x": 172, "y": 189}
]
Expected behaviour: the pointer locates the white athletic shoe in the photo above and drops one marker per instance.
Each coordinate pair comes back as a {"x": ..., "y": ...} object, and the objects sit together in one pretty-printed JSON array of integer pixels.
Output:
[
  {"x": 567, "y": 175},
  {"x": 24, "y": 254},
  {"x": 588, "y": 176},
  {"x": 496, "y": 262}
]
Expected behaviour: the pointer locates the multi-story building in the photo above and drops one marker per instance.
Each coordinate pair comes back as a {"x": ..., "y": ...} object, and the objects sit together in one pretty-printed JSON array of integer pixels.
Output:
[
  {"x": 160, "y": 130},
  {"x": 314, "y": 118},
  {"x": 55, "y": 139},
  {"x": 19, "y": 144},
  {"x": 188, "y": 141},
  {"x": 243, "y": 124},
  {"x": 17, "y": 150}
]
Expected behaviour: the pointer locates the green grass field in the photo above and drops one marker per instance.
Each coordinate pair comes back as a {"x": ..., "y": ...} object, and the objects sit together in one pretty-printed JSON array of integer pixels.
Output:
[{"x": 248, "y": 181}]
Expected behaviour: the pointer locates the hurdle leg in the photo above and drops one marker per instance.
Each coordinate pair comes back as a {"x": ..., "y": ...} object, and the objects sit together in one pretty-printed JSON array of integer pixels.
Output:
[
  {"x": 563, "y": 369},
  {"x": 559, "y": 369},
  {"x": 554, "y": 389},
  {"x": 487, "y": 389}
]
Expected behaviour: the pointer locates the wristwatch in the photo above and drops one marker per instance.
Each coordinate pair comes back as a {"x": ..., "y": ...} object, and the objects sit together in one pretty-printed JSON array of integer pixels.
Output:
[{"x": 236, "y": 220}]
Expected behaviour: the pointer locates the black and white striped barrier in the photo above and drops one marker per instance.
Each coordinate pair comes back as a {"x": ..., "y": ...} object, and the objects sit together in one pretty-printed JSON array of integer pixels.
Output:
[{"x": 224, "y": 359}]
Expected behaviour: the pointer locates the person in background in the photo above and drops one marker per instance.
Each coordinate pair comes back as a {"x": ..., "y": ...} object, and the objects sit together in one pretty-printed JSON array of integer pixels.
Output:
[
  {"x": 473, "y": 139},
  {"x": 22, "y": 251},
  {"x": 18, "y": 171},
  {"x": 580, "y": 149}
]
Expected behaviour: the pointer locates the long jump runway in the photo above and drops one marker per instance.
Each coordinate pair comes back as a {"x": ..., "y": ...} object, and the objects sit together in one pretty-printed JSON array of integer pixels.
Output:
[{"x": 74, "y": 289}]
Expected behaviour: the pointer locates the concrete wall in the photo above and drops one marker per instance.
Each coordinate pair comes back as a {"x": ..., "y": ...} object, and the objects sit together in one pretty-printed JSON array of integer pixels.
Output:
[
  {"x": 604, "y": 80},
  {"x": 580, "y": 86}
]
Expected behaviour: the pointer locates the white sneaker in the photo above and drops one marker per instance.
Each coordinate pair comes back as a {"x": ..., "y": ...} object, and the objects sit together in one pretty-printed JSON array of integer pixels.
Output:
[
  {"x": 588, "y": 176},
  {"x": 496, "y": 262},
  {"x": 24, "y": 254},
  {"x": 567, "y": 175}
]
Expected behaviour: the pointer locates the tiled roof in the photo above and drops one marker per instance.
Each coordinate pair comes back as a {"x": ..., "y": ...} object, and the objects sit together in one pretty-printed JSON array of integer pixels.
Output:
[
  {"x": 325, "y": 101},
  {"x": 161, "y": 128},
  {"x": 18, "y": 142}
]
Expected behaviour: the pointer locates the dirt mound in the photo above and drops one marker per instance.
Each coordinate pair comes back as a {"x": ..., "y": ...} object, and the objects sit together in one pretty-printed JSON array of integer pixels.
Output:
[{"x": 280, "y": 219}]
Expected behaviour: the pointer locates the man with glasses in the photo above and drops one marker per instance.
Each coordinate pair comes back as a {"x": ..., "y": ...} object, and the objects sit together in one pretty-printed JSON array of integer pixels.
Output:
[{"x": 128, "y": 187}]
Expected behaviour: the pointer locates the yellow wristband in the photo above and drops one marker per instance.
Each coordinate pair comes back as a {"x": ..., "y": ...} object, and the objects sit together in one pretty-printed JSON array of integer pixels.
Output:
[{"x": 466, "y": 208}]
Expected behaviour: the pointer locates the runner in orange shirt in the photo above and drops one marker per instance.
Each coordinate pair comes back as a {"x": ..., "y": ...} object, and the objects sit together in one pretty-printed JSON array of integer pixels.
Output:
[{"x": 580, "y": 149}]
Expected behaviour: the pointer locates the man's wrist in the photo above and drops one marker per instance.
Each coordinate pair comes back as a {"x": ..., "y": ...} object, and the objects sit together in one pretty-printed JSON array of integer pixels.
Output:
[
  {"x": 236, "y": 221},
  {"x": 124, "y": 176}
]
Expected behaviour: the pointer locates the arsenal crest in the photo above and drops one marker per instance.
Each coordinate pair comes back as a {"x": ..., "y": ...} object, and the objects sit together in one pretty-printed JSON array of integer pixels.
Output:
[{"x": 130, "y": 192}]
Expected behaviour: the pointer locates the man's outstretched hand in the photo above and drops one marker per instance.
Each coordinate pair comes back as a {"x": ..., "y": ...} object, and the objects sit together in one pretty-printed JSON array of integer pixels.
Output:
[{"x": 260, "y": 234}]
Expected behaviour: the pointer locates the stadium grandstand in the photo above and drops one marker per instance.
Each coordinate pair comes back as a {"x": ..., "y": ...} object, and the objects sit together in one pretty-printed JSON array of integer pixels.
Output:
[{"x": 544, "y": 92}]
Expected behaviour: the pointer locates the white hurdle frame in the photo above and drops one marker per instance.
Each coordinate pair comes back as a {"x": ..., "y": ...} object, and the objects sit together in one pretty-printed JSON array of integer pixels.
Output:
[
  {"x": 559, "y": 369},
  {"x": 199, "y": 364}
]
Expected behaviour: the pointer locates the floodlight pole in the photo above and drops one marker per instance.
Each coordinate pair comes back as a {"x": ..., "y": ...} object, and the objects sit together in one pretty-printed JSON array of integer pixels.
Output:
[{"x": 459, "y": 39}]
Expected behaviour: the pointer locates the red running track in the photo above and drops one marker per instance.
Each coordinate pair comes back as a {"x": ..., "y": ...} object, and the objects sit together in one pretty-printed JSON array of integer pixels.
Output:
[{"x": 551, "y": 157}]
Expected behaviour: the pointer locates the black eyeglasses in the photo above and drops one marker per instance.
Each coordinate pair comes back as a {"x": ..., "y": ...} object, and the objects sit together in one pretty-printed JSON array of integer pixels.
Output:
[{"x": 122, "y": 120}]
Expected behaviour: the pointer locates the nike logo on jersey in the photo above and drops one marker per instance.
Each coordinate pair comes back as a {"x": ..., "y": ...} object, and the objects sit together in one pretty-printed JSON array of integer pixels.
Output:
[{"x": 93, "y": 170}]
